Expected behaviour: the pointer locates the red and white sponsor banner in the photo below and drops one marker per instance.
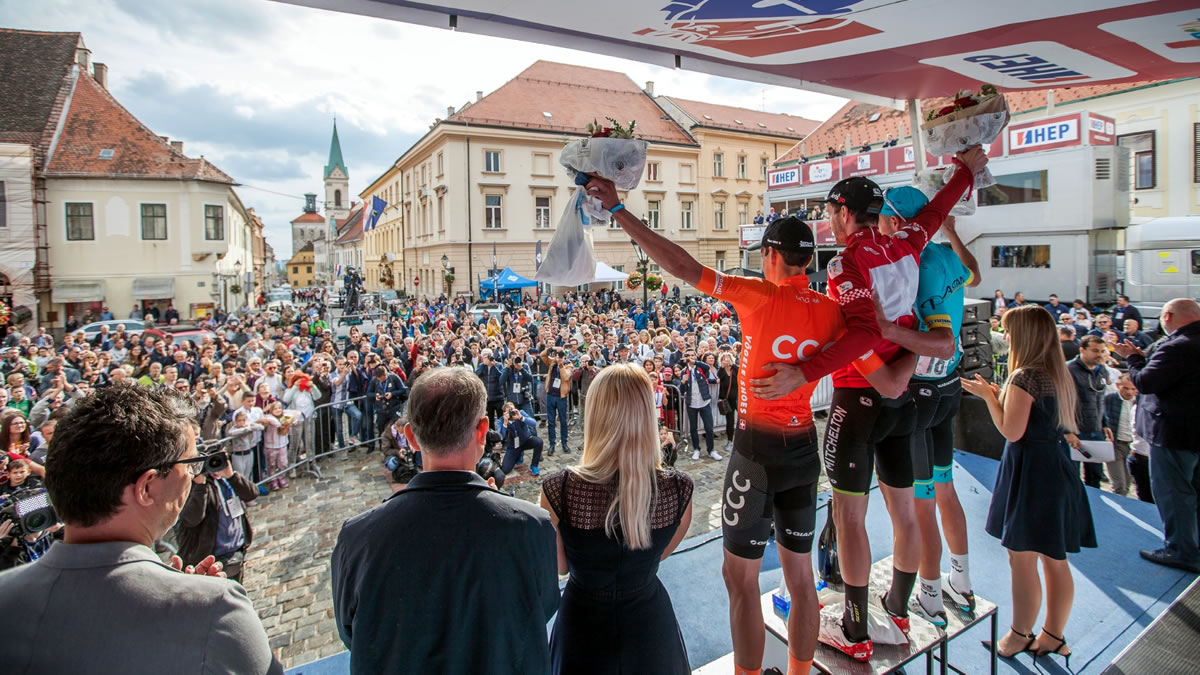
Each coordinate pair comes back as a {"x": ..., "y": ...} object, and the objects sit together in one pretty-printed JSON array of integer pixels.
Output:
[
  {"x": 1103, "y": 130},
  {"x": 751, "y": 234},
  {"x": 822, "y": 171},
  {"x": 878, "y": 51},
  {"x": 863, "y": 164},
  {"x": 1054, "y": 132},
  {"x": 823, "y": 232},
  {"x": 781, "y": 178}
]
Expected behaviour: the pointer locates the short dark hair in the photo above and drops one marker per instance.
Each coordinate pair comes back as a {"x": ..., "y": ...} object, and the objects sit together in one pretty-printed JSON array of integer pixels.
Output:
[
  {"x": 1089, "y": 340},
  {"x": 107, "y": 440},
  {"x": 794, "y": 258},
  {"x": 380, "y": 371},
  {"x": 444, "y": 409}
]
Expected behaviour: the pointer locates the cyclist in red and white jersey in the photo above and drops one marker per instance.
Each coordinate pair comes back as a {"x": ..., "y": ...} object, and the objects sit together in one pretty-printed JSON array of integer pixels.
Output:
[
  {"x": 773, "y": 472},
  {"x": 867, "y": 431}
]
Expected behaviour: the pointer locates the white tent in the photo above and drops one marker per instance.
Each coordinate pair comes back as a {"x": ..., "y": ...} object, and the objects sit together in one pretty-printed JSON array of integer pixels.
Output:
[{"x": 606, "y": 273}]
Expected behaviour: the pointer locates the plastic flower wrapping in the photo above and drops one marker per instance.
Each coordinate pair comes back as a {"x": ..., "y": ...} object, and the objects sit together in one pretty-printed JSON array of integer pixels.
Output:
[{"x": 970, "y": 119}]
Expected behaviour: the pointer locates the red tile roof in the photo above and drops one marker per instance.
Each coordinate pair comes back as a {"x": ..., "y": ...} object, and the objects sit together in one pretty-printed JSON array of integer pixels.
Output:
[
  {"x": 34, "y": 75},
  {"x": 96, "y": 122},
  {"x": 744, "y": 119},
  {"x": 309, "y": 217},
  {"x": 854, "y": 118},
  {"x": 574, "y": 96},
  {"x": 350, "y": 230}
]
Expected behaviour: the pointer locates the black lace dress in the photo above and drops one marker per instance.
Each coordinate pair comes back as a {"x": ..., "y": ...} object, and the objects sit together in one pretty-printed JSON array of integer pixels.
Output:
[
  {"x": 1038, "y": 503},
  {"x": 615, "y": 616}
]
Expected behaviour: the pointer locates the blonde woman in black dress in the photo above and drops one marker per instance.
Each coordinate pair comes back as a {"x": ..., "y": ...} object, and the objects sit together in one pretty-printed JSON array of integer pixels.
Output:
[
  {"x": 618, "y": 514},
  {"x": 1039, "y": 508}
]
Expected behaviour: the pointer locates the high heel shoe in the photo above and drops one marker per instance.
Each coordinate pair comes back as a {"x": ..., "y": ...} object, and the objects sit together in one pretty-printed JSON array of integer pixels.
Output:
[
  {"x": 1062, "y": 643},
  {"x": 1029, "y": 639}
]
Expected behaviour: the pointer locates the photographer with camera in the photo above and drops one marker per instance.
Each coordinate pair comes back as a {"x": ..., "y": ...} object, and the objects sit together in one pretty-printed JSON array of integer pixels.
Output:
[
  {"x": 213, "y": 520},
  {"x": 491, "y": 373},
  {"x": 24, "y": 537},
  {"x": 119, "y": 473},
  {"x": 558, "y": 392},
  {"x": 517, "y": 383},
  {"x": 399, "y": 459},
  {"x": 519, "y": 431},
  {"x": 386, "y": 392}
]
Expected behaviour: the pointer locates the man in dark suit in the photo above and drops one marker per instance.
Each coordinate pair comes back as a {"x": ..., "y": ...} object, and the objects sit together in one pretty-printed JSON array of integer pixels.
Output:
[
  {"x": 479, "y": 575},
  {"x": 1169, "y": 384}
]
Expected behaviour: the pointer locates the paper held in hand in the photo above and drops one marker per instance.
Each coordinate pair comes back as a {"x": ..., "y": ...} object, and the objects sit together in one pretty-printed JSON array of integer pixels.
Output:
[{"x": 1093, "y": 451}]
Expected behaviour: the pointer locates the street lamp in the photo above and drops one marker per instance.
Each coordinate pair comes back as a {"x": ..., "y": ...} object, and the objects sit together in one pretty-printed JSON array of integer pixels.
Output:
[
  {"x": 643, "y": 267},
  {"x": 237, "y": 272},
  {"x": 446, "y": 271}
]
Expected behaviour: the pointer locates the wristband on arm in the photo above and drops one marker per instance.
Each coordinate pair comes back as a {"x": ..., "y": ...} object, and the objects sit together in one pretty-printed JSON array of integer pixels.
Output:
[{"x": 616, "y": 208}]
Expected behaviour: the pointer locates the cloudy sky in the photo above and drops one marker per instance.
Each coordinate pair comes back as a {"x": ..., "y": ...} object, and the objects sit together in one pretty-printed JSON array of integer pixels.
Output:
[{"x": 254, "y": 85}]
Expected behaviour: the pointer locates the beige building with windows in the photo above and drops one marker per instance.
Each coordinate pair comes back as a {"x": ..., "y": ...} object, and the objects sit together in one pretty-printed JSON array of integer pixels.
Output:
[
  {"x": 737, "y": 147},
  {"x": 300, "y": 268},
  {"x": 488, "y": 178}
]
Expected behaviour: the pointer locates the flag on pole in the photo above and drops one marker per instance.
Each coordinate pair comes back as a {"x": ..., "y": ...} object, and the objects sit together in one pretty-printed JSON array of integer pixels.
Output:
[
  {"x": 538, "y": 256},
  {"x": 377, "y": 207},
  {"x": 495, "y": 271}
]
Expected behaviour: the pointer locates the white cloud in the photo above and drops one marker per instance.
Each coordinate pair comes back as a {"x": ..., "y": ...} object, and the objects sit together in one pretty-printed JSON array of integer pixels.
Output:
[{"x": 385, "y": 81}]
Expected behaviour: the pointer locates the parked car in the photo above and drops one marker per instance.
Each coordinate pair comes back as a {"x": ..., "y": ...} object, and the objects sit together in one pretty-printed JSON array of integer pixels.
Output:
[
  {"x": 179, "y": 332},
  {"x": 132, "y": 327},
  {"x": 485, "y": 310}
]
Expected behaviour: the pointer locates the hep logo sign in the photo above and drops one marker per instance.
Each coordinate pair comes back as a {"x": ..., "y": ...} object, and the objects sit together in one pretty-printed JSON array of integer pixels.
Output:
[
  {"x": 759, "y": 29},
  {"x": 1049, "y": 133},
  {"x": 1031, "y": 65},
  {"x": 784, "y": 177}
]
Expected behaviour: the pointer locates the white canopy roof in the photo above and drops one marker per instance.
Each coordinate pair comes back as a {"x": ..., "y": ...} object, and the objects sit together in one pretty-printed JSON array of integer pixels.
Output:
[{"x": 606, "y": 273}]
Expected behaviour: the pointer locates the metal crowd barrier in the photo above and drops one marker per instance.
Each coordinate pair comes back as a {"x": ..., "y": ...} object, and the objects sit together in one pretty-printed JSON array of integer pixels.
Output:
[
  {"x": 822, "y": 395},
  {"x": 676, "y": 417}
]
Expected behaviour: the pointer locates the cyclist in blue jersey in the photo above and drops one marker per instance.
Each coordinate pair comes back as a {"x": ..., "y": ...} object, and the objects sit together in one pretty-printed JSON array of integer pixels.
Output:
[{"x": 945, "y": 271}]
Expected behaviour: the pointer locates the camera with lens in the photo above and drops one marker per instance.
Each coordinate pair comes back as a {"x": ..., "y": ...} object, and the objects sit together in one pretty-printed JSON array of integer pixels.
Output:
[
  {"x": 29, "y": 510},
  {"x": 214, "y": 462},
  {"x": 488, "y": 465}
]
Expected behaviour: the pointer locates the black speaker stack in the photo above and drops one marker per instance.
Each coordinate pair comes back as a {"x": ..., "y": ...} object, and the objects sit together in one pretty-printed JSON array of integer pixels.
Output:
[{"x": 974, "y": 431}]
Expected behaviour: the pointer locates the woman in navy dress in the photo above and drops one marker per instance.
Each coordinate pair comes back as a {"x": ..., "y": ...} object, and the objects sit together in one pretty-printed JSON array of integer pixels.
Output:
[
  {"x": 1039, "y": 508},
  {"x": 618, "y": 513}
]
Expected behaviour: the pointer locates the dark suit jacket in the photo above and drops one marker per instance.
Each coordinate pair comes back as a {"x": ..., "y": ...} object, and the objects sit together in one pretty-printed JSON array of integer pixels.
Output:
[
  {"x": 447, "y": 576},
  {"x": 197, "y": 528},
  {"x": 1169, "y": 383}
]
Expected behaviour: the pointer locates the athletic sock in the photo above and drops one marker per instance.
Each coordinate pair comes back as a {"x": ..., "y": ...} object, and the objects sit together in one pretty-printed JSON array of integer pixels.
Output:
[
  {"x": 897, "y": 596},
  {"x": 960, "y": 573},
  {"x": 931, "y": 596},
  {"x": 854, "y": 617},
  {"x": 738, "y": 670},
  {"x": 798, "y": 667}
]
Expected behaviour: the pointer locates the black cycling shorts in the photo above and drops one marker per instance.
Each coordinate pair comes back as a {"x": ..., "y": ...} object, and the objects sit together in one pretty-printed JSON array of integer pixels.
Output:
[
  {"x": 937, "y": 404},
  {"x": 867, "y": 433},
  {"x": 755, "y": 494}
]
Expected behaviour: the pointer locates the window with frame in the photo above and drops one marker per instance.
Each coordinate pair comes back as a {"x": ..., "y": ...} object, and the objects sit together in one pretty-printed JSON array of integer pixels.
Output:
[
  {"x": 3, "y": 206},
  {"x": 81, "y": 225},
  {"x": 719, "y": 216},
  {"x": 493, "y": 206},
  {"x": 718, "y": 164},
  {"x": 741, "y": 166},
  {"x": 685, "y": 215},
  {"x": 1145, "y": 174},
  {"x": 440, "y": 165},
  {"x": 214, "y": 222},
  {"x": 652, "y": 169},
  {"x": 491, "y": 161},
  {"x": 1016, "y": 188},
  {"x": 654, "y": 268},
  {"x": 154, "y": 222},
  {"x": 743, "y": 213},
  {"x": 1036, "y": 256},
  {"x": 1195, "y": 261},
  {"x": 541, "y": 213},
  {"x": 308, "y": 269},
  {"x": 654, "y": 214},
  {"x": 441, "y": 214},
  {"x": 295, "y": 269},
  {"x": 720, "y": 261},
  {"x": 687, "y": 174},
  {"x": 762, "y": 168}
]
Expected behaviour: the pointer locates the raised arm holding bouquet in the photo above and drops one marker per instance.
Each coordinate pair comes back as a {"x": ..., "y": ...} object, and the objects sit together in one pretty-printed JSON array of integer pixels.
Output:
[
  {"x": 970, "y": 119},
  {"x": 613, "y": 153}
]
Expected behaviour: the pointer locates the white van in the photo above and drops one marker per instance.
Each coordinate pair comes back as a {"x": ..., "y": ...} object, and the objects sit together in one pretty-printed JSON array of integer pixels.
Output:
[{"x": 1162, "y": 261}]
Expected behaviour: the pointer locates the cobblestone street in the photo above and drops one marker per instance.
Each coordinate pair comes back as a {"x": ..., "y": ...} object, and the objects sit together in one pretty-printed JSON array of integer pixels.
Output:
[{"x": 287, "y": 571}]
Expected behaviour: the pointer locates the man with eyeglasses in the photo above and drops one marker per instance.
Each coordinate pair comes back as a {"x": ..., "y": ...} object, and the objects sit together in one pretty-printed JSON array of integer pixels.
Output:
[{"x": 119, "y": 473}]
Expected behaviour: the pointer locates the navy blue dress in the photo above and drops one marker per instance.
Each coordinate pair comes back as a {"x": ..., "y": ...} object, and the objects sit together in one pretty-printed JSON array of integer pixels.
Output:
[
  {"x": 615, "y": 615},
  {"x": 1039, "y": 503}
]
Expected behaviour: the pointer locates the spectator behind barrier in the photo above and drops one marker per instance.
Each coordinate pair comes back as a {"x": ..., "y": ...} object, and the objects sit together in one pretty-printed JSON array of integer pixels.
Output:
[{"x": 119, "y": 472}]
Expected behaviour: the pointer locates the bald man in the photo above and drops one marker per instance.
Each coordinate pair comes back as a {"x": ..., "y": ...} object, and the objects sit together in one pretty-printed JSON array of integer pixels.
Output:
[{"x": 1169, "y": 382}]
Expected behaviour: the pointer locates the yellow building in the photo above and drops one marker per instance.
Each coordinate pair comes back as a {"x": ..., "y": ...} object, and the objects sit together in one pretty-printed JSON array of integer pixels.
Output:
[
  {"x": 300, "y": 267},
  {"x": 737, "y": 146},
  {"x": 488, "y": 178}
]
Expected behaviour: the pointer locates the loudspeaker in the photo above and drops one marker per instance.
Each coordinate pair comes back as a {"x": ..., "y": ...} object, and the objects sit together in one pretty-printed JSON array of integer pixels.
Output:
[
  {"x": 976, "y": 310},
  {"x": 974, "y": 431},
  {"x": 976, "y": 334}
]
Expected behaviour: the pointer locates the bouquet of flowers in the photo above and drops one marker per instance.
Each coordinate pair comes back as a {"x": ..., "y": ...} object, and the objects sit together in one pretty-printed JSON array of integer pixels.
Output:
[
  {"x": 611, "y": 152},
  {"x": 970, "y": 119},
  {"x": 634, "y": 281},
  {"x": 653, "y": 282},
  {"x": 930, "y": 181}
]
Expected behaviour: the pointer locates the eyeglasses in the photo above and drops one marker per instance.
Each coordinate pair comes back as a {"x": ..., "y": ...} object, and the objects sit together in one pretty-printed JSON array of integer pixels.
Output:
[{"x": 195, "y": 465}]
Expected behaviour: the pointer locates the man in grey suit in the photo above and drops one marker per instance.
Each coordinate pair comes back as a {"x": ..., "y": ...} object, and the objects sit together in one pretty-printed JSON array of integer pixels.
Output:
[{"x": 119, "y": 472}]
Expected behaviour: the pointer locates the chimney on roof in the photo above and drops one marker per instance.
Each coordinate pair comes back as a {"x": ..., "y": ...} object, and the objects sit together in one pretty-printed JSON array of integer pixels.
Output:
[
  {"x": 449, "y": 111},
  {"x": 478, "y": 95},
  {"x": 83, "y": 57},
  {"x": 177, "y": 146},
  {"x": 650, "y": 87},
  {"x": 165, "y": 139},
  {"x": 100, "y": 73}
]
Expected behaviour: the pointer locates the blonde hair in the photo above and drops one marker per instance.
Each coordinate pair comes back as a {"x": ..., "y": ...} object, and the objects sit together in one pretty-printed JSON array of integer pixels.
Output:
[
  {"x": 1033, "y": 343},
  {"x": 620, "y": 442}
]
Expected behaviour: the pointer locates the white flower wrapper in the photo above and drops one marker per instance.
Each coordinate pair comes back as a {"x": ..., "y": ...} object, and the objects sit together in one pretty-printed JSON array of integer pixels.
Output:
[
  {"x": 570, "y": 259},
  {"x": 961, "y": 129},
  {"x": 930, "y": 181}
]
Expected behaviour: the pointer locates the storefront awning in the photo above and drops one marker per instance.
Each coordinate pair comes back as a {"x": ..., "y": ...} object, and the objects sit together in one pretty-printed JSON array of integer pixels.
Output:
[
  {"x": 873, "y": 51},
  {"x": 77, "y": 290},
  {"x": 154, "y": 289}
]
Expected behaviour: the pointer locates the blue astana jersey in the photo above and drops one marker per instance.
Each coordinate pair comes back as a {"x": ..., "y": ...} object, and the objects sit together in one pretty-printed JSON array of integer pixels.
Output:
[{"x": 940, "y": 304}]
